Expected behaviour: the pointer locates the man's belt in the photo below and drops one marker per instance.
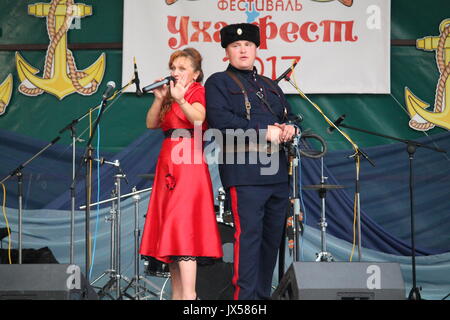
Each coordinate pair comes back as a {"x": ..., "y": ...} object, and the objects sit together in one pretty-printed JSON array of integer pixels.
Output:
[{"x": 251, "y": 147}]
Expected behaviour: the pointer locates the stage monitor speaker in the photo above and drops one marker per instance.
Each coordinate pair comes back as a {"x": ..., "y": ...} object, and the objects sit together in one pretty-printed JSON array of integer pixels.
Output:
[
  {"x": 214, "y": 280},
  {"x": 44, "y": 282},
  {"x": 341, "y": 281}
]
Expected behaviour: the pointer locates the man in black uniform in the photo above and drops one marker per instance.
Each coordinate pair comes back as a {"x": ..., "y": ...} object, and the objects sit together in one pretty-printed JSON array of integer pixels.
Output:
[{"x": 251, "y": 109}]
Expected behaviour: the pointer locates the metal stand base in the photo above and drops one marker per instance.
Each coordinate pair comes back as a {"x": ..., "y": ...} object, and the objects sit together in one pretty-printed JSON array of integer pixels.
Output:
[
  {"x": 109, "y": 286},
  {"x": 141, "y": 292},
  {"x": 109, "y": 290},
  {"x": 117, "y": 286},
  {"x": 324, "y": 257}
]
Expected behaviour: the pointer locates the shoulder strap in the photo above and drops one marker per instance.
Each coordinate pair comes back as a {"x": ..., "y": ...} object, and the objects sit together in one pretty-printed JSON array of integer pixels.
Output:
[
  {"x": 248, "y": 106},
  {"x": 272, "y": 85}
]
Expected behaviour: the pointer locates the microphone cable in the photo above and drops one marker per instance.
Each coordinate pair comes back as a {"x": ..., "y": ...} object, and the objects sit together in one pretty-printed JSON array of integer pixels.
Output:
[
  {"x": 94, "y": 246},
  {"x": 7, "y": 224},
  {"x": 314, "y": 155},
  {"x": 357, "y": 162},
  {"x": 302, "y": 203}
]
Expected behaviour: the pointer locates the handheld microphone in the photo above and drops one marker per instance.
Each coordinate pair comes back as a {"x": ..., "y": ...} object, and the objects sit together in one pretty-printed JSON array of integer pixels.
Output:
[
  {"x": 286, "y": 73},
  {"x": 336, "y": 123},
  {"x": 136, "y": 80},
  {"x": 158, "y": 84},
  {"x": 109, "y": 89}
]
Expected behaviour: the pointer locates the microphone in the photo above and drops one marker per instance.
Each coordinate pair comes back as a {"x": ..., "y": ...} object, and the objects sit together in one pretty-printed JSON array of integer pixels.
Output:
[
  {"x": 286, "y": 73},
  {"x": 336, "y": 123},
  {"x": 158, "y": 84},
  {"x": 109, "y": 89},
  {"x": 136, "y": 80},
  {"x": 116, "y": 164},
  {"x": 295, "y": 118},
  {"x": 101, "y": 160}
]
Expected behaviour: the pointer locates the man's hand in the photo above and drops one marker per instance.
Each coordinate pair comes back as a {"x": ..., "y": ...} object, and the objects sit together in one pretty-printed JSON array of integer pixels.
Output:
[
  {"x": 273, "y": 134},
  {"x": 287, "y": 132}
]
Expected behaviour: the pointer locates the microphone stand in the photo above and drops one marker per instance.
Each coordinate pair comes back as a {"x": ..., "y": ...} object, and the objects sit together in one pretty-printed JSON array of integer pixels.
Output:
[
  {"x": 411, "y": 147},
  {"x": 357, "y": 155},
  {"x": 293, "y": 149},
  {"x": 87, "y": 159},
  {"x": 71, "y": 127},
  {"x": 136, "y": 81},
  {"x": 294, "y": 204},
  {"x": 72, "y": 197},
  {"x": 18, "y": 172}
]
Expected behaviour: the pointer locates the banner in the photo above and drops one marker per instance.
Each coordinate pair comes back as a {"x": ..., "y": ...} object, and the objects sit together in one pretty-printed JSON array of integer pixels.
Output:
[
  {"x": 341, "y": 46},
  {"x": 421, "y": 118}
]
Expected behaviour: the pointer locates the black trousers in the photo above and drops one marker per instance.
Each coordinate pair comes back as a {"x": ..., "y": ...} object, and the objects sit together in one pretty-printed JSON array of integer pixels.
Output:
[{"x": 259, "y": 214}]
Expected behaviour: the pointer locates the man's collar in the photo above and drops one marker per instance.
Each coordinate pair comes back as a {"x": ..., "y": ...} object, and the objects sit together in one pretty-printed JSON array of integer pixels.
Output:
[{"x": 245, "y": 72}]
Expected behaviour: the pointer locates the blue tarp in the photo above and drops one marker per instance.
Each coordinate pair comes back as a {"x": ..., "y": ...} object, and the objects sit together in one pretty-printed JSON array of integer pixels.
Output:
[
  {"x": 384, "y": 191},
  {"x": 385, "y": 210}
]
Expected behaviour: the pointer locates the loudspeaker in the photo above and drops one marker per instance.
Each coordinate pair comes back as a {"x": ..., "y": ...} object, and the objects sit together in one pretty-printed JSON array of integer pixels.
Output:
[
  {"x": 44, "y": 282},
  {"x": 214, "y": 280},
  {"x": 42, "y": 255},
  {"x": 341, "y": 281}
]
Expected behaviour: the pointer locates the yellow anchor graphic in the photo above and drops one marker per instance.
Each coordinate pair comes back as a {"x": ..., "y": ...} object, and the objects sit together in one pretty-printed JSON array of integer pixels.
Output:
[
  {"x": 416, "y": 107},
  {"x": 61, "y": 77},
  {"x": 5, "y": 93}
]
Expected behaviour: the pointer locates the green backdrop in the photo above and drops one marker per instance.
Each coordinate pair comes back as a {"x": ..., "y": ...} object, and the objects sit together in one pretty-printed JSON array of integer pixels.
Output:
[{"x": 44, "y": 116}]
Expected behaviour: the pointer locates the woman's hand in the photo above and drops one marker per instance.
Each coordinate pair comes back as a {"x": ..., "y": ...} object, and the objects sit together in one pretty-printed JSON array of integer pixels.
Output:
[
  {"x": 179, "y": 89},
  {"x": 161, "y": 92}
]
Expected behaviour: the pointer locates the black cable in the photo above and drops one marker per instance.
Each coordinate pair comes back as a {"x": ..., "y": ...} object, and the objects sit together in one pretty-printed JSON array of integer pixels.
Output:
[{"x": 314, "y": 154}]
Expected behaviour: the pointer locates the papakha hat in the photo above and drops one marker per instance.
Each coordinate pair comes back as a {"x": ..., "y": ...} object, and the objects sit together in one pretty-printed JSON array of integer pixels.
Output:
[{"x": 239, "y": 31}]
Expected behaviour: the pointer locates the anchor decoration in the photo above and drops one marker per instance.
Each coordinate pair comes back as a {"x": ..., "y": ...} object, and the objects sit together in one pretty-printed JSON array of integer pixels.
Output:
[
  {"x": 422, "y": 119},
  {"x": 5, "y": 93},
  {"x": 61, "y": 76},
  {"x": 347, "y": 3}
]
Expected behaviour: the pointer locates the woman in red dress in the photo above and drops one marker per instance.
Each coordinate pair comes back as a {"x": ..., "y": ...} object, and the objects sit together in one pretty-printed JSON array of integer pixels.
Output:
[{"x": 181, "y": 225}]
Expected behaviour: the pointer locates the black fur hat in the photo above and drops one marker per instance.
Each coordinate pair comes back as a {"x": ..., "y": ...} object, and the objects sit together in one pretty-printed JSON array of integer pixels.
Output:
[{"x": 240, "y": 31}]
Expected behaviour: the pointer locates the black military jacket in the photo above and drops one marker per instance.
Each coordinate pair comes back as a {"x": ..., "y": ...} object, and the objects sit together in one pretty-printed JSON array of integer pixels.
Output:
[{"x": 226, "y": 111}]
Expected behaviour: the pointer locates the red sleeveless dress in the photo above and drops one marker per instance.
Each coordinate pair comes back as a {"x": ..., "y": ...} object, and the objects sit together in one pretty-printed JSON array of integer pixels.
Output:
[{"x": 181, "y": 220}]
